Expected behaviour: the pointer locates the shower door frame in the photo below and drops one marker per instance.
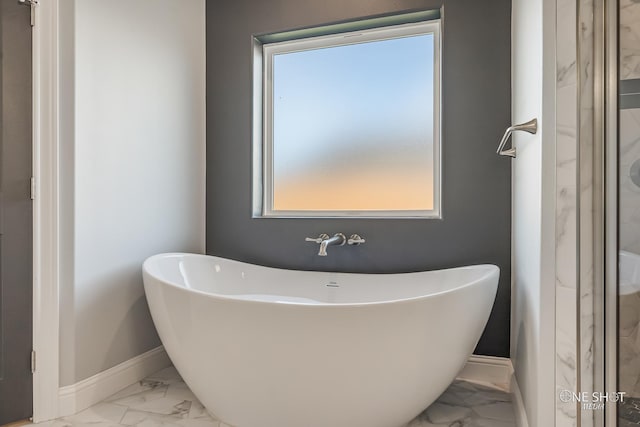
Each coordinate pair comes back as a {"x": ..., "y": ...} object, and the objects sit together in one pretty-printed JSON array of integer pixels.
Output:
[{"x": 607, "y": 246}]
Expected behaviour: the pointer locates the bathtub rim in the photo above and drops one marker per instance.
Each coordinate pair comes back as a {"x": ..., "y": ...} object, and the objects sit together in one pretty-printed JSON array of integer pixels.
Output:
[{"x": 490, "y": 270}]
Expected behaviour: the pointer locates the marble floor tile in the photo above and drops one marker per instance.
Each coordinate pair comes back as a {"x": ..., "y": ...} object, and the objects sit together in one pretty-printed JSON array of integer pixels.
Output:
[
  {"x": 467, "y": 404},
  {"x": 629, "y": 412},
  {"x": 101, "y": 413},
  {"x": 146, "y": 419},
  {"x": 168, "y": 376},
  {"x": 143, "y": 386},
  {"x": 502, "y": 411},
  {"x": 164, "y": 400}
]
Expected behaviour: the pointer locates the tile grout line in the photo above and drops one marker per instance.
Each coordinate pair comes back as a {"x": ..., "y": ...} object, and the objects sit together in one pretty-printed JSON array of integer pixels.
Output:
[
  {"x": 167, "y": 390},
  {"x": 123, "y": 415}
]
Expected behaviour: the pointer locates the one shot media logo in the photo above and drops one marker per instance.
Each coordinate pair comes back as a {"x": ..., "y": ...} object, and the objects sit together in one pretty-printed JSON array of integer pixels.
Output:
[{"x": 591, "y": 401}]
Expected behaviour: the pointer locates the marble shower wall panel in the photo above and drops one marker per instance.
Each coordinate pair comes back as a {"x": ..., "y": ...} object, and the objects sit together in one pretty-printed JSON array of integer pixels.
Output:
[
  {"x": 574, "y": 206},
  {"x": 629, "y": 39},
  {"x": 566, "y": 208},
  {"x": 629, "y": 192}
]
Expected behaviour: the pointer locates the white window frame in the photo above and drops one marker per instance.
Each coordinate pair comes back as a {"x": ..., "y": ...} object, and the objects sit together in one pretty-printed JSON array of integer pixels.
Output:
[{"x": 263, "y": 186}]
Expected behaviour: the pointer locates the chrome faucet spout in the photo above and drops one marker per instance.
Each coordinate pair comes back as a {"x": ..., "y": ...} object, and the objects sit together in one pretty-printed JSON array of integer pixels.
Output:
[{"x": 338, "y": 239}]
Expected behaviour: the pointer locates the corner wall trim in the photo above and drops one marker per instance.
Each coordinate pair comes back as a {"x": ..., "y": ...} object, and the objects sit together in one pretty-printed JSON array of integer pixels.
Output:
[
  {"x": 81, "y": 395},
  {"x": 497, "y": 371},
  {"x": 518, "y": 404}
]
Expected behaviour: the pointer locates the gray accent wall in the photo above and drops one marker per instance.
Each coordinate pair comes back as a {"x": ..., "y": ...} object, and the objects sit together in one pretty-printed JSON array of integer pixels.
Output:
[{"x": 476, "y": 197}]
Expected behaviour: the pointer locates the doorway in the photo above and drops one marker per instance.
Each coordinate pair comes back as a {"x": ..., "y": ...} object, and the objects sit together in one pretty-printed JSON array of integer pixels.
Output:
[{"x": 16, "y": 223}]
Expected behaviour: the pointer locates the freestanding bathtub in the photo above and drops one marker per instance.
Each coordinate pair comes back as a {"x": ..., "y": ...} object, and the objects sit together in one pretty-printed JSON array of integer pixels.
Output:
[{"x": 265, "y": 347}]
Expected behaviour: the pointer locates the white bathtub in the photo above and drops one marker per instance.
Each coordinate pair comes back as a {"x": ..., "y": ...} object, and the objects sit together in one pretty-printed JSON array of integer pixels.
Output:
[{"x": 265, "y": 347}]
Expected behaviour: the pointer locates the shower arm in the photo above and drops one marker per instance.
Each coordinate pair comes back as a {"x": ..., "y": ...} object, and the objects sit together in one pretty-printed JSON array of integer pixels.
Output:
[{"x": 530, "y": 126}]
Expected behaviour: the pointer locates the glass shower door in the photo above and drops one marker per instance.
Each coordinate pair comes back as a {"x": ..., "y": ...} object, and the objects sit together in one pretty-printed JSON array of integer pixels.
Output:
[{"x": 629, "y": 213}]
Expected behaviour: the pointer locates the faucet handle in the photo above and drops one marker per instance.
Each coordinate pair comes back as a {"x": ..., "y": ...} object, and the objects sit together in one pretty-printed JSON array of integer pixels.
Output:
[
  {"x": 355, "y": 240},
  {"x": 317, "y": 240}
]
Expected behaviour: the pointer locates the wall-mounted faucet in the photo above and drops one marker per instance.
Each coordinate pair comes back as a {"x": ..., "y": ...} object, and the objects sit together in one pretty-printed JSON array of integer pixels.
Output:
[
  {"x": 338, "y": 239},
  {"x": 355, "y": 240}
]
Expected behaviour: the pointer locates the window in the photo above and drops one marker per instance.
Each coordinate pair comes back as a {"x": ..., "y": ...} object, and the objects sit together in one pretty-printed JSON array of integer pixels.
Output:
[{"x": 348, "y": 125}]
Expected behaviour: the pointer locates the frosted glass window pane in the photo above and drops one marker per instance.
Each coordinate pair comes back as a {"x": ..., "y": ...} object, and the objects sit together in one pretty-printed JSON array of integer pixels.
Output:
[
  {"x": 353, "y": 127},
  {"x": 349, "y": 123}
]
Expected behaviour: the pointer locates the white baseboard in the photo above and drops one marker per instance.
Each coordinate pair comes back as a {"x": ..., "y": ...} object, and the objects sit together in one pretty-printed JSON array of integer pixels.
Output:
[
  {"x": 518, "y": 404},
  {"x": 81, "y": 395},
  {"x": 489, "y": 370}
]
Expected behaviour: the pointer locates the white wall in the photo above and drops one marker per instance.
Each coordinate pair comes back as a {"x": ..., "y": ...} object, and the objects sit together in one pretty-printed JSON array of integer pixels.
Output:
[
  {"x": 533, "y": 81},
  {"x": 136, "y": 148}
]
